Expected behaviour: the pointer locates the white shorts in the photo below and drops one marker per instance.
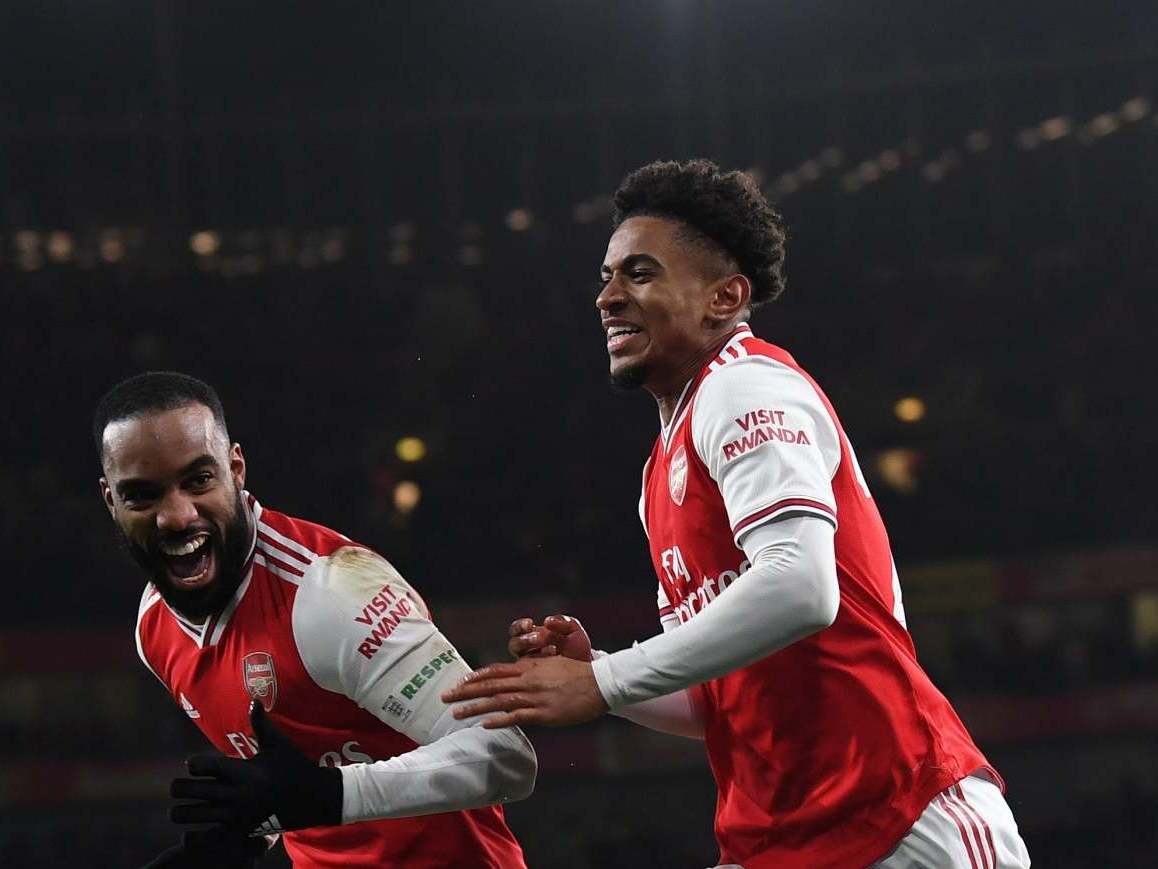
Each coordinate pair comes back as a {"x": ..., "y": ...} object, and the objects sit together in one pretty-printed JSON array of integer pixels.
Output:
[{"x": 966, "y": 826}]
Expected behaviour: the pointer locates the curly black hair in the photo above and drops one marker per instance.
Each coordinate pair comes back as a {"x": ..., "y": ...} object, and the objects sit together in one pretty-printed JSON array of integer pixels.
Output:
[{"x": 727, "y": 209}]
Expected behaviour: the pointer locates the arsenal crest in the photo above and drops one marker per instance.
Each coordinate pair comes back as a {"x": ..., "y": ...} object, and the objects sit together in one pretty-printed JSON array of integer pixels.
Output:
[
  {"x": 260, "y": 679},
  {"x": 677, "y": 476}
]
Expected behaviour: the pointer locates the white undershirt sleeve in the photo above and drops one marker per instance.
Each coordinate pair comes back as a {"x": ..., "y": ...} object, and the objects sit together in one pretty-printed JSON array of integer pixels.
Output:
[
  {"x": 789, "y": 593},
  {"x": 363, "y": 632}
]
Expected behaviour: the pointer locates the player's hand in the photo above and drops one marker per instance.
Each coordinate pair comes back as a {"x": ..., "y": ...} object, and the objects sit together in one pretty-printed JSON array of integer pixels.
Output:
[
  {"x": 557, "y": 635},
  {"x": 554, "y": 690},
  {"x": 278, "y": 789},
  {"x": 211, "y": 849}
]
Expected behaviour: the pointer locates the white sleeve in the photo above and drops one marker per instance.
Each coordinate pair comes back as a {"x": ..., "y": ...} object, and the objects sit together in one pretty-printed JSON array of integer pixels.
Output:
[
  {"x": 675, "y": 713},
  {"x": 768, "y": 441},
  {"x": 363, "y": 632},
  {"x": 789, "y": 593}
]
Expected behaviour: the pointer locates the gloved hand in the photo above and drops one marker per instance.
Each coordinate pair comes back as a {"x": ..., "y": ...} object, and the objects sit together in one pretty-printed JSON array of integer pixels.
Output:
[
  {"x": 211, "y": 849},
  {"x": 278, "y": 789}
]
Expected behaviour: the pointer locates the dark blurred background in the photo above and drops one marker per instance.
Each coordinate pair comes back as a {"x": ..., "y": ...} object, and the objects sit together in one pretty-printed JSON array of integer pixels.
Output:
[{"x": 376, "y": 228}]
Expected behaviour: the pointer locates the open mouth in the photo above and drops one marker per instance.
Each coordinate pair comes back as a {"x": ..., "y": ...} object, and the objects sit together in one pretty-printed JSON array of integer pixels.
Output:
[
  {"x": 619, "y": 337},
  {"x": 189, "y": 562}
]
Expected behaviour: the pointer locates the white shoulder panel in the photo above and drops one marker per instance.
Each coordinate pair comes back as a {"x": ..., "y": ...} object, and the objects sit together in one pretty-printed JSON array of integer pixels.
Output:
[
  {"x": 768, "y": 441},
  {"x": 363, "y": 632}
]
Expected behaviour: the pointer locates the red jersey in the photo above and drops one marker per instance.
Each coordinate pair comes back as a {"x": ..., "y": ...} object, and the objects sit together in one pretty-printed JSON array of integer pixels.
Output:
[
  {"x": 826, "y": 752},
  {"x": 330, "y": 665}
]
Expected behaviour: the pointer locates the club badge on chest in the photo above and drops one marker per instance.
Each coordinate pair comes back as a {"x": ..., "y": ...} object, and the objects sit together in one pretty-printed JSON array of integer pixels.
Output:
[
  {"x": 260, "y": 679},
  {"x": 677, "y": 475}
]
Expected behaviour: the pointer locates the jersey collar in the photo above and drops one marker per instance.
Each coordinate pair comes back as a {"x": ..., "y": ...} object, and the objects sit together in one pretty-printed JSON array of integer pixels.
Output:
[{"x": 732, "y": 348}]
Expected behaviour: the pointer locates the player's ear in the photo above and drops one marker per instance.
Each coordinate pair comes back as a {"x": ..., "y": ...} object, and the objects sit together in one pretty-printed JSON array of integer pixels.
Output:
[
  {"x": 237, "y": 466},
  {"x": 107, "y": 497},
  {"x": 730, "y": 298}
]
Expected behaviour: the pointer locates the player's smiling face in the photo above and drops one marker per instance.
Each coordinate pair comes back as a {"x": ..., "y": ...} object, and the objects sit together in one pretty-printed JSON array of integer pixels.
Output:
[
  {"x": 656, "y": 305},
  {"x": 173, "y": 486}
]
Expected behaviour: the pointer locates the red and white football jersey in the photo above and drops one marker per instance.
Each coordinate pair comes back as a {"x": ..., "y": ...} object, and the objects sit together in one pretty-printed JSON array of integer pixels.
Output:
[
  {"x": 826, "y": 752},
  {"x": 337, "y": 646}
]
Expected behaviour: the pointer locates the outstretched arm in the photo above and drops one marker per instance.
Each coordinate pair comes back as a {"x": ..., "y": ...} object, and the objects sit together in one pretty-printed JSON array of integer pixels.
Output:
[
  {"x": 789, "y": 593},
  {"x": 365, "y": 633}
]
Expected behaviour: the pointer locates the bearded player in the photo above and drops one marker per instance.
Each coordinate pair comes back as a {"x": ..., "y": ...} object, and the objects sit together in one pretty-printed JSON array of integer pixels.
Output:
[
  {"x": 305, "y": 658},
  {"x": 784, "y": 646}
]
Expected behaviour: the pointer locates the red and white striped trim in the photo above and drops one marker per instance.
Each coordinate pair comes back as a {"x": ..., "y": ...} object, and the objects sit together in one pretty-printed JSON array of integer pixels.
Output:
[
  {"x": 732, "y": 350},
  {"x": 288, "y": 545},
  {"x": 987, "y": 848},
  {"x": 944, "y": 806},
  {"x": 978, "y": 845},
  {"x": 281, "y": 555},
  {"x": 277, "y": 567},
  {"x": 785, "y": 505}
]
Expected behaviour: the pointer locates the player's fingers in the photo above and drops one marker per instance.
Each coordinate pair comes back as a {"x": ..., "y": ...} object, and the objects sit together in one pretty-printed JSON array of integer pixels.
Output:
[
  {"x": 524, "y": 644},
  {"x": 203, "y": 838},
  {"x": 199, "y": 813},
  {"x": 208, "y": 789},
  {"x": 545, "y": 652},
  {"x": 561, "y": 624},
  {"x": 496, "y": 671},
  {"x": 482, "y": 688},
  {"x": 216, "y": 765},
  {"x": 533, "y": 641},
  {"x": 521, "y": 626},
  {"x": 515, "y": 718},
  {"x": 496, "y": 703}
]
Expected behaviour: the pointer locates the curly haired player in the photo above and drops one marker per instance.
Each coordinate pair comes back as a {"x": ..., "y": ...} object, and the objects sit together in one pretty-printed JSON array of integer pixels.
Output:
[{"x": 784, "y": 644}]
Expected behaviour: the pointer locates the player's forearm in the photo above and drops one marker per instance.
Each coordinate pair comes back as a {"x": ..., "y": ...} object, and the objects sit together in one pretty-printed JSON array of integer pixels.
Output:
[
  {"x": 674, "y": 713},
  {"x": 789, "y": 593},
  {"x": 465, "y": 769}
]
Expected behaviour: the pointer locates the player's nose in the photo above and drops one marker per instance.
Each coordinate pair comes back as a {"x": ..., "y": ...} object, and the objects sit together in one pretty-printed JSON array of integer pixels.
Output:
[
  {"x": 176, "y": 512},
  {"x": 611, "y": 297}
]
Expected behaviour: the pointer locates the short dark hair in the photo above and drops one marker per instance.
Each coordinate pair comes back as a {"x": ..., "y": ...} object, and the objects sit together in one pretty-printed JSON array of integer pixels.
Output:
[
  {"x": 727, "y": 209},
  {"x": 151, "y": 392}
]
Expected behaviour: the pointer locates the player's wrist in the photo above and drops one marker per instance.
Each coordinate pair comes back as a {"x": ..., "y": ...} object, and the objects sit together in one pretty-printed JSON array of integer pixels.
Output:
[
  {"x": 322, "y": 797},
  {"x": 601, "y": 669}
]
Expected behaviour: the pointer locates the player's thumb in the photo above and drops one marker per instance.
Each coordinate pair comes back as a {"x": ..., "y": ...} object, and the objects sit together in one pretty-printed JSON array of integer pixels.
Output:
[
  {"x": 207, "y": 764},
  {"x": 270, "y": 740},
  {"x": 560, "y": 624},
  {"x": 263, "y": 729}
]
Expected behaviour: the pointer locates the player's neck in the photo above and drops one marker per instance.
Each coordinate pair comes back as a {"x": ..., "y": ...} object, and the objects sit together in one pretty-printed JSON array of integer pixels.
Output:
[{"x": 667, "y": 395}]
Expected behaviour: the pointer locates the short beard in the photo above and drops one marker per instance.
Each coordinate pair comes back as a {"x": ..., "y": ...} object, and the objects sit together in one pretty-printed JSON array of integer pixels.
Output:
[
  {"x": 200, "y": 603},
  {"x": 629, "y": 380}
]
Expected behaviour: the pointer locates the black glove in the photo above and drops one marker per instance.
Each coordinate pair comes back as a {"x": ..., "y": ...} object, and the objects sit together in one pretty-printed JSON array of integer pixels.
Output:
[
  {"x": 278, "y": 789},
  {"x": 211, "y": 849}
]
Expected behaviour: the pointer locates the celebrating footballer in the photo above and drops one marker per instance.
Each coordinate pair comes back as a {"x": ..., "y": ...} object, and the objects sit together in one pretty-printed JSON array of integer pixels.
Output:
[
  {"x": 784, "y": 644},
  {"x": 305, "y": 658}
]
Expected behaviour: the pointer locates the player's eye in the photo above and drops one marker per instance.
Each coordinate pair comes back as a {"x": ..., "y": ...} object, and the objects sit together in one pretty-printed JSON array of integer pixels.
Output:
[
  {"x": 201, "y": 481},
  {"x": 136, "y": 499},
  {"x": 641, "y": 277}
]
